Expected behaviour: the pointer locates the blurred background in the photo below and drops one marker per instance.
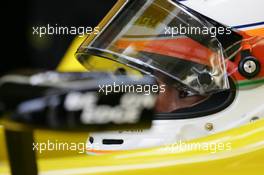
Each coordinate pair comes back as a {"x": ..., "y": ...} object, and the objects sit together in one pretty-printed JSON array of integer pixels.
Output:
[{"x": 27, "y": 51}]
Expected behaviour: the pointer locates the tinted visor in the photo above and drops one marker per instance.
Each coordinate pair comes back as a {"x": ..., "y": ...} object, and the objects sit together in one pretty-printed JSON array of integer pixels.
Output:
[{"x": 161, "y": 38}]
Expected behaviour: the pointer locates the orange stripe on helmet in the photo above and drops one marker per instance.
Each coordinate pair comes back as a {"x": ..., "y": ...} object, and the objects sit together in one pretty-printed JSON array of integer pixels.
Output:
[
  {"x": 256, "y": 32},
  {"x": 181, "y": 48}
]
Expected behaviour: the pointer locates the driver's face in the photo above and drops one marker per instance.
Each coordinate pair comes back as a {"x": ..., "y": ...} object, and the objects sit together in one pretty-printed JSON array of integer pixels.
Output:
[{"x": 172, "y": 100}]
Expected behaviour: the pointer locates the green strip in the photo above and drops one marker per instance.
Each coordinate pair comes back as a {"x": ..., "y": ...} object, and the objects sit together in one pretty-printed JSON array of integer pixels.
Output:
[{"x": 251, "y": 82}]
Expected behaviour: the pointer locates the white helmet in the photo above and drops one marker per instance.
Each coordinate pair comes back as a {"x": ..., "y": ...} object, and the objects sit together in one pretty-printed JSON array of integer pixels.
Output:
[{"x": 213, "y": 74}]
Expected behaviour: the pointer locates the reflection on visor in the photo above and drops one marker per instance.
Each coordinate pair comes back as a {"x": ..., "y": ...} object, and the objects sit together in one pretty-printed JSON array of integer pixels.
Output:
[{"x": 142, "y": 35}]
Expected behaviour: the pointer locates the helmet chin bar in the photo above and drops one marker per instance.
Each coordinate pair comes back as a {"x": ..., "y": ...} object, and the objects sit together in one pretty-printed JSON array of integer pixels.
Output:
[
  {"x": 76, "y": 101},
  {"x": 166, "y": 129}
]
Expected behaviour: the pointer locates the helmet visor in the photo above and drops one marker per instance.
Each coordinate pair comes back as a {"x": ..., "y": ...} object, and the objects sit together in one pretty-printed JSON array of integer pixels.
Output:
[{"x": 160, "y": 37}]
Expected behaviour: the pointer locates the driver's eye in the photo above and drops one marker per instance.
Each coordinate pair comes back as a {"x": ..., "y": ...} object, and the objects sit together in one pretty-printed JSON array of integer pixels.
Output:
[
  {"x": 183, "y": 94},
  {"x": 120, "y": 71}
]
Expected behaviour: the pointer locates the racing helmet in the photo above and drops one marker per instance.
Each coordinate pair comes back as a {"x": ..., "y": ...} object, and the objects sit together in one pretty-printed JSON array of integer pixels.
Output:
[{"x": 211, "y": 76}]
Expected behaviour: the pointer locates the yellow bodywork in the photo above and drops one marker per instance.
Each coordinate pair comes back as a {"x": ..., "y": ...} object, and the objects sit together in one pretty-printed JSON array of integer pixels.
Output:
[{"x": 245, "y": 157}]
